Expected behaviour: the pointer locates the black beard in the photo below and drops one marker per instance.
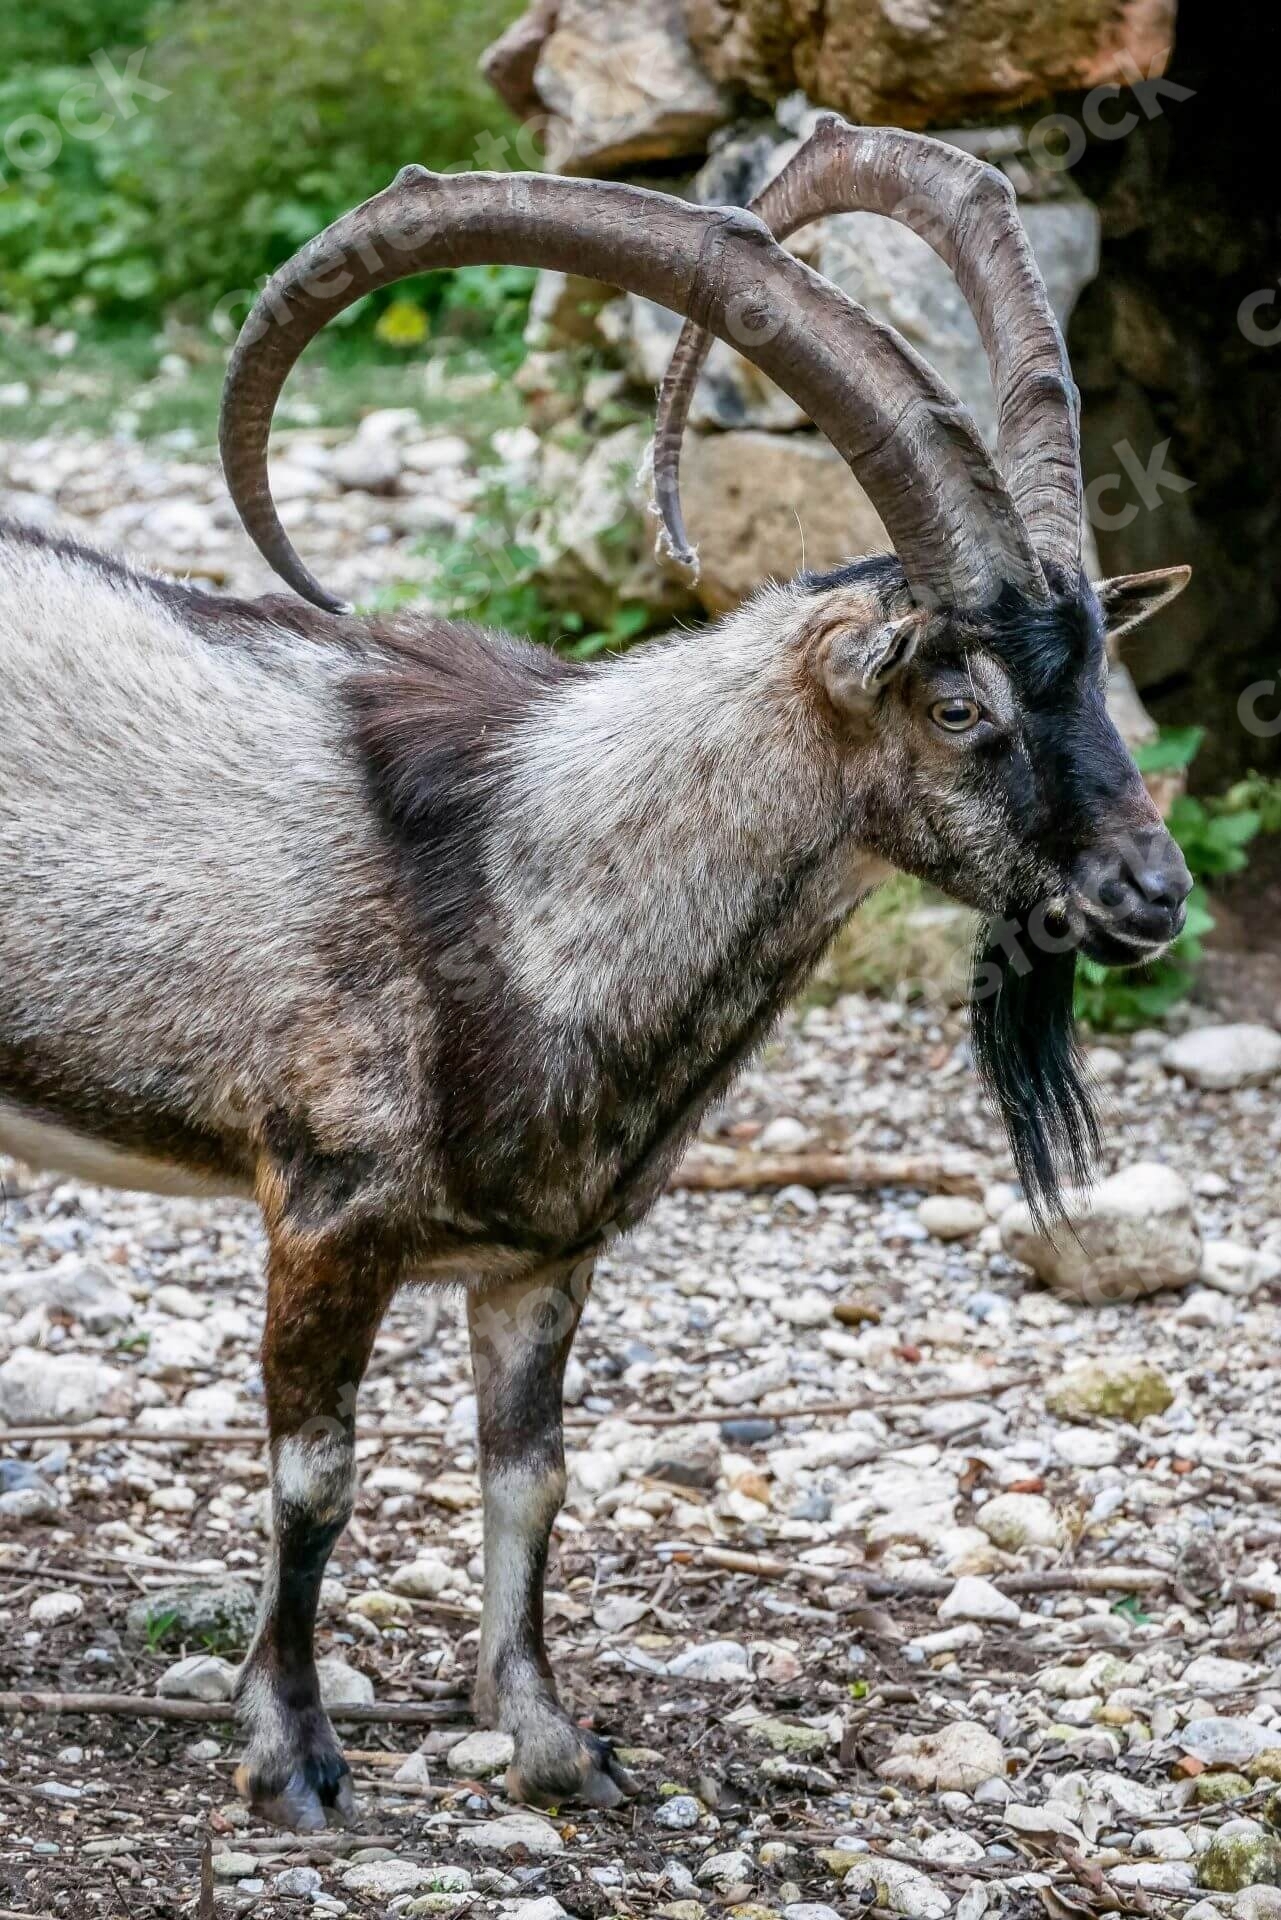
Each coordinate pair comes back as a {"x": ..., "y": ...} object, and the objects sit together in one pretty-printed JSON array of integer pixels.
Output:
[{"x": 1025, "y": 1048}]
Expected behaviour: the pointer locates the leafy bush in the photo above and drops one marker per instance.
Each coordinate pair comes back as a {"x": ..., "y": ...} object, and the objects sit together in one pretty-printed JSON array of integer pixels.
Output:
[
  {"x": 270, "y": 125},
  {"x": 1213, "y": 835}
]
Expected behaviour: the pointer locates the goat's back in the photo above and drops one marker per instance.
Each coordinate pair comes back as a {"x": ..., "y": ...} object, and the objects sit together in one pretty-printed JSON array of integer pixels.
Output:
[{"x": 194, "y": 906}]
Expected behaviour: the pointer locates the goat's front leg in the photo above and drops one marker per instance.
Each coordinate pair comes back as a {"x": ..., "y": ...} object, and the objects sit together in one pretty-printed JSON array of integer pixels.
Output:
[
  {"x": 520, "y": 1340},
  {"x": 324, "y": 1304}
]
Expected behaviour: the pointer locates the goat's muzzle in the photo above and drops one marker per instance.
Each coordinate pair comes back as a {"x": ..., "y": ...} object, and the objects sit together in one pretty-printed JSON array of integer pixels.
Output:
[{"x": 1130, "y": 895}]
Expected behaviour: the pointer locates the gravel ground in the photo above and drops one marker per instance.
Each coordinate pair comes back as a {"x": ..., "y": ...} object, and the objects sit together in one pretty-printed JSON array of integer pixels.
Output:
[{"x": 997, "y": 1633}]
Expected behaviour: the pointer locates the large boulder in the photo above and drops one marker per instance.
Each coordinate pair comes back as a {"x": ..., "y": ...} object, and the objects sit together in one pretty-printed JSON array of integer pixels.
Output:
[
  {"x": 918, "y": 63},
  {"x": 764, "y": 504},
  {"x": 618, "y": 83},
  {"x": 1131, "y": 1235},
  {"x": 898, "y": 277},
  {"x": 594, "y": 538}
]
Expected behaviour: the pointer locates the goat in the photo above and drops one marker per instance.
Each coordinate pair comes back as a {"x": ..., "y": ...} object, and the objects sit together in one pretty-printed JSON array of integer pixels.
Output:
[{"x": 438, "y": 945}]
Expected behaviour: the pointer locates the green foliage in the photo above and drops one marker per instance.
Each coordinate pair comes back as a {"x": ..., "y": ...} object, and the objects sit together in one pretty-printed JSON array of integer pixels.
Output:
[
  {"x": 269, "y": 125},
  {"x": 489, "y": 576},
  {"x": 1213, "y": 835},
  {"x": 67, "y": 32}
]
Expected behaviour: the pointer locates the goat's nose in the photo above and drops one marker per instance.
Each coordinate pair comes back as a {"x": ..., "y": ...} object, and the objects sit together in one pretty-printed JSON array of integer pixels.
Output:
[{"x": 1167, "y": 886}]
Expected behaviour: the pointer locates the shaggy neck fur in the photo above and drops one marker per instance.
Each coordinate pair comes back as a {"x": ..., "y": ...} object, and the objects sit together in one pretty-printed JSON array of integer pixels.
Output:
[{"x": 663, "y": 815}]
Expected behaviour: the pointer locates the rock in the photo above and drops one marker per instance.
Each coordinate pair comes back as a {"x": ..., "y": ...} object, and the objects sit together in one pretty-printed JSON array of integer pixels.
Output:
[
  {"x": 234, "y": 1866},
  {"x": 894, "y": 65},
  {"x": 425, "y": 1578},
  {"x": 731, "y": 393},
  {"x": 692, "y": 1462},
  {"x": 179, "y": 1348},
  {"x": 75, "y": 1287},
  {"x": 34, "y": 1502},
  {"x": 737, "y": 1389},
  {"x": 382, "y": 1879},
  {"x": 367, "y": 464},
  {"x": 564, "y": 309},
  {"x": 898, "y": 277},
  {"x": 55, "y": 1609},
  {"x": 1218, "y": 1059},
  {"x": 1240, "y": 1855},
  {"x": 621, "y": 85},
  {"x": 1224, "y": 1741},
  {"x": 1013, "y": 1521},
  {"x": 1256, "y": 1903},
  {"x": 215, "y": 1614},
  {"x": 1131, "y": 1235},
  {"x": 954, "y": 1760},
  {"x": 722, "y": 1662},
  {"x": 784, "y": 1134},
  {"x": 1230, "y": 1268},
  {"x": 1086, "y": 1447},
  {"x": 756, "y": 502},
  {"x": 44, "y": 1389},
  {"x": 548, "y": 1908},
  {"x": 202, "y": 1676},
  {"x": 900, "y": 1888},
  {"x": 725, "y": 1870},
  {"x": 515, "y": 1830},
  {"x": 342, "y": 1685},
  {"x": 786, "y": 1737},
  {"x": 951, "y": 1216},
  {"x": 1123, "y": 1389},
  {"x": 297, "y": 1883},
  {"x": 481, "y": 1755},
  {"x": 381, "y": 1608},
  {"x": 594, "y": 540},
  {"x": 680, "y": 1812},
  {"x": 973, "y": 1598},
  {"x": 413, "y": 1772},
  {"x": 810, "y": 1910}
]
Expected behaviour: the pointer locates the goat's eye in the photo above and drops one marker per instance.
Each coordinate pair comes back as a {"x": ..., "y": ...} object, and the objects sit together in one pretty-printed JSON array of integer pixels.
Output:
[{"x": 956, "y": 716}]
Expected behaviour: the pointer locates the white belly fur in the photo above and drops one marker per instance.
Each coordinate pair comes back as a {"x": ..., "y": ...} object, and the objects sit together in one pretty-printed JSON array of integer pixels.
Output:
[{"x": 48, "y": 1148}]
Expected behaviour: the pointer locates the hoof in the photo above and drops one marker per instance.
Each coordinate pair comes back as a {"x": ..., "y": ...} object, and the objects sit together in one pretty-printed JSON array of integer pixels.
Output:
[
  {"x": 316, "y": 1794},
  {"x": 573, "y": 1765}
]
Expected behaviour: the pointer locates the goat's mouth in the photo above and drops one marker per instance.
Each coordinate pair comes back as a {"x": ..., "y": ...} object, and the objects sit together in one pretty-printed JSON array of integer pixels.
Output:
[{"x": 1113, "y": 943}]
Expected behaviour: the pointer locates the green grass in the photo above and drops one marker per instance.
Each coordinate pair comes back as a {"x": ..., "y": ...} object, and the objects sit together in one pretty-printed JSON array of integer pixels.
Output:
[{"x": 113, "y": 381}]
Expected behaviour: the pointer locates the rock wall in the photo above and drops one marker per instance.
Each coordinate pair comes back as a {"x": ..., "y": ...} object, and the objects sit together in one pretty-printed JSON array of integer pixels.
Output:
[
  {"x": 1153, "y": 243},
  {"x": 920, "y": 63}
]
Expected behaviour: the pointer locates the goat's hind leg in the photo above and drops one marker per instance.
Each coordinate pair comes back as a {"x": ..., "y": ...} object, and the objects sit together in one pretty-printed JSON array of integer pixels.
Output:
[
  {"x": 323, "y": 1308},
  {"x": 520, "y": 1338}
]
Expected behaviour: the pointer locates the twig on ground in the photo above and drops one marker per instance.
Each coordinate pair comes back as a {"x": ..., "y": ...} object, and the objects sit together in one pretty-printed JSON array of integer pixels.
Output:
[
  {"x": 391, "y": 1713},
  {"x": 707, "y": 1172},
  {"x": 860, "y": 1585}
]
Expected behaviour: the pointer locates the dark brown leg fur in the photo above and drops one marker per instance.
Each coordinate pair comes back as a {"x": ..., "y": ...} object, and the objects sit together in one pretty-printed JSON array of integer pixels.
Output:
[
  {"x": 520, "y": 1339},
  {"x": 324, "y": 1302}
]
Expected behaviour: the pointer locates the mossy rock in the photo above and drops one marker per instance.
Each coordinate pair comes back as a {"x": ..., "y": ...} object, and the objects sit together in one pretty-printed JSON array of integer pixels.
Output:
[
  {"x": 1236, "y": 1860},
  {"x": 1265, "y": 1766},
  {"x": 1111, "y": 1390},
  {"x": 218, "y": 1615},
  {"x": 1212, "y": 1789},
  {"x": 800, "y": 1742}
]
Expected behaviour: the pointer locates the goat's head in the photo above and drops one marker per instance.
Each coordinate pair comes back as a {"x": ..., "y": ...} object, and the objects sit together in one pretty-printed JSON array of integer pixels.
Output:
[{"x": 964, "y": 675}]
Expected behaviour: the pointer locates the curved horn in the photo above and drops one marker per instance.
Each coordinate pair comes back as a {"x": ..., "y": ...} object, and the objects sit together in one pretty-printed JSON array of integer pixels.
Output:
[
  {"x": 900, "y": 429},
  {"x": 967, "y": 211}
]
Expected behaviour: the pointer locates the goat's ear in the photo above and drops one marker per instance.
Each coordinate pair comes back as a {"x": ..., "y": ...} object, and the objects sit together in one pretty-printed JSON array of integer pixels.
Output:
[
  {"x": 857, "y": 664},
  {"x": 1131, "y": 598}
]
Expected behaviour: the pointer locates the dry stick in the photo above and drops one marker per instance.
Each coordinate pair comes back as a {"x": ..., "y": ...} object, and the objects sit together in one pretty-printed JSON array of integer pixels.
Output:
[
  {"x": 634, "y": 1416},
  {"x": 392, "y": 1713},
  {"x": 703, "y": 1172},
  {"x": 764, "y": 1566}
]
